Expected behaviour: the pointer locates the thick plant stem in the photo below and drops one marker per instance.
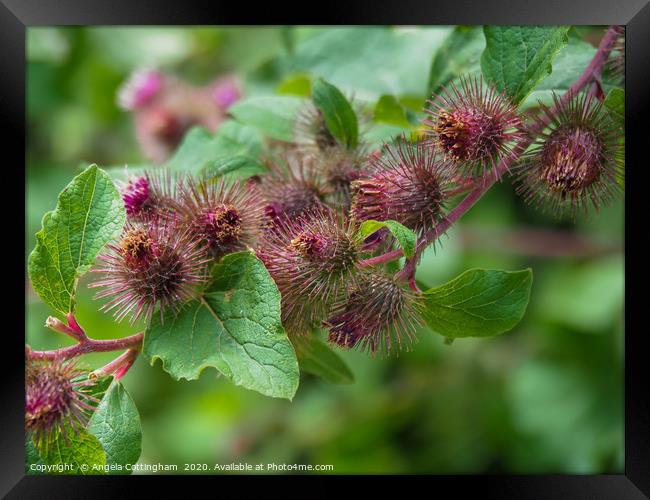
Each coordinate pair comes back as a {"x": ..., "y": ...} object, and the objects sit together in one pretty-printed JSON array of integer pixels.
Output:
[
  {"x": 382, "y": 259},
  {"x": 119, "y": 366},
  {"x": 591, "y": 73},
  {"x": 72, "y": 329},
  {"x": 408, "y": 271},
  {"x": 88, "y": 345}
]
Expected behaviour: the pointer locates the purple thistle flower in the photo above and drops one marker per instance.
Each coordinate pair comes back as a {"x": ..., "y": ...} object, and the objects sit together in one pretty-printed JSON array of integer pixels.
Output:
[
  {"x": 155, "y": 263},
  {"x": 473, "y": 125},
  {"x": 151, "y": 194},
  {"x": 140, "y": 89},
  {"x": 226, "y": 92},
  {"x": 311, "y": 259},
  {"x": 576, "y": 161},
  {"x": 160, "y": 129},
  {"x": 226, "y": 215},
  {"x": 56, "y": 400},
  {"x": 292, "y": 187},
  {"x": 377, "y": 315},
  {"x": 161, "y": 125},
  {"x": 135, "y": 195},
  {"x": 409, "y": 183}
]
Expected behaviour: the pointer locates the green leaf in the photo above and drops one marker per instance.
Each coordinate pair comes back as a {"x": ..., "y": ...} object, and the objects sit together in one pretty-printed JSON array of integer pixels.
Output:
[
  {"x": 371, "y": 60},
  {"x": 32, "y": 456},
  {"x": 238, "y": 167},
  {"x": 517, "y": 58},
  {"x": 88, "y": 214},
  {"x": 298, "y": 85},
  {"x": 195, "y": 152},
  {"x": 235, "y": 327},
  {"x": 235, "y": 147},
  {"x": 274, "y": 116},
  {"x": 389, "y": 110},
  {"x": 405, "y": 237},
  {"x": 615, "y": 102},
  {"x": 316, "y": 358},
  {"x": 80, "y": 451},
  {"x": 568, "y": 65},
  {"x": 234, "y": 139},
  {"x": 478, "y": 303},
  {"x": 116, "y": 424},
  {"x": 459, "y": 54},
  {"x": 339, "y": 115}
]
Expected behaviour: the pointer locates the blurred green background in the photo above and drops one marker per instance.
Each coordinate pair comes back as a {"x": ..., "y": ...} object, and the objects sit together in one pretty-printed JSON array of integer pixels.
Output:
[{"x": 544, "y": 398}]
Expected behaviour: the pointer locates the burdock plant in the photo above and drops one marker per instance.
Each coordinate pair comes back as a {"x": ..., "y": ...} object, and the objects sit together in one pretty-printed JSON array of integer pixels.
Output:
[
  {"x": 58, "y": 399},
  {"x": 247, "y": 272},
  {"x": 576, "y": 162},
  {"x": 312, "y": 259},
  {"x": 293, "y": 186},
  {"x": 148, "y": 195},
  {"x": 378, "y": 315},
  {"x": 409, "y": 183},
  {"x": 225, "y": 215},
  {"x": 473, "y": 125},
  {"x": 155, "y": 264}
]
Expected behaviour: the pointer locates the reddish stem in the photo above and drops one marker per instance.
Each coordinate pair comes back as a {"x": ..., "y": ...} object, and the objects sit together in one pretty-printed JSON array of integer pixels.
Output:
[
  {"x": 462, "y": 189},
  {"x": 72, "y": 323},
  {"x": 72, "y": 329},
  {"x": 381, "y": 259},
  {"x": 89, "y": 345},
  {"x": 119, "y": 366},
  {"x": 596, "y": 65}
]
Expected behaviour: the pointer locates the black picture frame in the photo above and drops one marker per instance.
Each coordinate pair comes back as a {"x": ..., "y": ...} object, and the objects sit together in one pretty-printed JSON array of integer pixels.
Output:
[{"x": 17, "y": 15}]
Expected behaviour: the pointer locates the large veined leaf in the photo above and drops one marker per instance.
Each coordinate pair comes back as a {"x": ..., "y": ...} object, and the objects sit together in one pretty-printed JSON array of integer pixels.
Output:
[
  {"x": 517, "y": 58},
  {"x": 478, "y": 303},
  {"x": 568, "y": 65},
  {"x": 116, "y": 424},
  {"x": 234, "y": 146},
  {"x": 79, "y": 453},
  {"x": 371, "y": 61},
  {"x": 272, "y": 115},
  {"x": 88, "y": 214},
  {"x": 235, "y": 327}
]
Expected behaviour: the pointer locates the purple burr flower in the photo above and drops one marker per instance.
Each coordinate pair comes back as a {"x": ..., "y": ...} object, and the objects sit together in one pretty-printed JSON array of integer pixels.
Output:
[
  {"x": 155, "y": 263},
  {"x": 140, "y": 89},
  {"x": 57, "y": 400},
  {"x": 577, "y": 162},
  {"x": 311, "y": 259},
  {"x": 377, "y": 315},
  {"x": 473, "y": 125},
  {"x": 408, "y": 183}
]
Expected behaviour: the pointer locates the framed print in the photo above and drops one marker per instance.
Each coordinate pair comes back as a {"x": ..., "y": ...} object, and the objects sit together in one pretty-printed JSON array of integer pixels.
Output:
[{"x": 387, "y": 243}]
